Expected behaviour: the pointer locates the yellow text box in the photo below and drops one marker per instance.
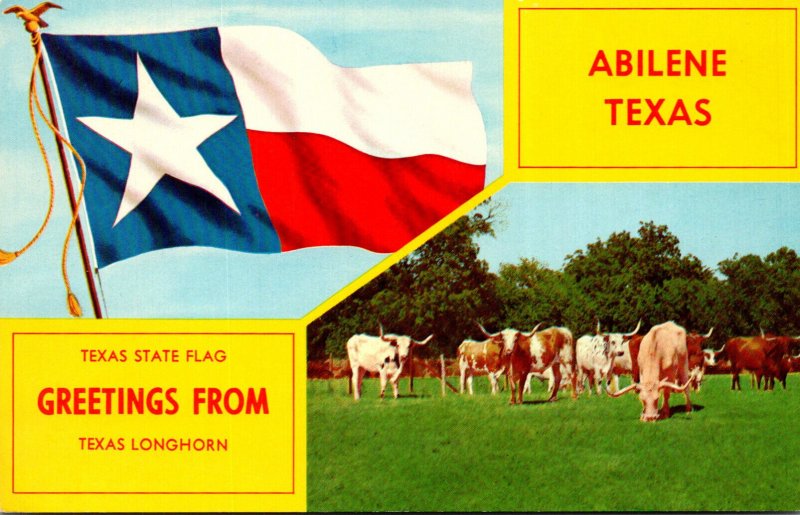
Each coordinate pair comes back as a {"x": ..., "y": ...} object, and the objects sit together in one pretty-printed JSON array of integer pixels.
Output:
[
  {"x": 564, "y": 116},
  {"x": 155, "y": 414}
]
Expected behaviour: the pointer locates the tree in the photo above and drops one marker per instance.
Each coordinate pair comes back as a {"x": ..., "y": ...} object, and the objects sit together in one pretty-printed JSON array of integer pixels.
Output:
[
  {"x": 530, "y": 293},
  {"x": 626, "y": 278},
  {"x": 762, "y": 293}
]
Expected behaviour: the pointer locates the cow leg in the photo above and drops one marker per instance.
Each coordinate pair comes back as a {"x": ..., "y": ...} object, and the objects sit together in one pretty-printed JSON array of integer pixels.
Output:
[
  {"x": 735, "y": 380},
  {"x": 514, "y": 380},
  {"x": 664, "y": 414},
  {"x": 700, "y": 378},
  {"x": 598, "y": 379},
  {"x": 462, "y": 380},
  {"x": 470, "y": 376},
  {"x": 592, "y": 380},
  {"x": 556, "y": 382},
  {"x": 358, "y": 376},
  {"x": 394, "y": 382},
  {"x": 573, "y": 382},
  {"x": 384, "y": 379},
  {"x": 493, "y": 382}
]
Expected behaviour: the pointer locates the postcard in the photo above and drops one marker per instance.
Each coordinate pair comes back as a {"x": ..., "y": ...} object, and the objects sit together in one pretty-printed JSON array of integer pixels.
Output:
[{"x": 287, "y": 256}]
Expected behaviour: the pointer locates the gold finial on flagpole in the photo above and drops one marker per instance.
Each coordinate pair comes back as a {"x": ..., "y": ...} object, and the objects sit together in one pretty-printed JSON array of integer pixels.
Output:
[{"x": 32, "y": 17}]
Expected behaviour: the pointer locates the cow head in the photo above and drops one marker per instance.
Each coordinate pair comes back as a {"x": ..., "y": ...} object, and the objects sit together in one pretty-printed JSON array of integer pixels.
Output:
[
  {"x": 402, "y": 343},
  {"x": 649, "y": 393},
  {"x": 710, "y": 357},
  {"x": 795, "y": 363},
  {"x": 507, "y": 338},
  {"x": 617, "y": 340}
]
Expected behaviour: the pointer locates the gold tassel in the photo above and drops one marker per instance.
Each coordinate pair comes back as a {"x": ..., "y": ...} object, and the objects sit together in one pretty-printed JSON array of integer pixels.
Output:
[
  {"x": 7, "y": 257},
  {"x": 73, "y": 305}
]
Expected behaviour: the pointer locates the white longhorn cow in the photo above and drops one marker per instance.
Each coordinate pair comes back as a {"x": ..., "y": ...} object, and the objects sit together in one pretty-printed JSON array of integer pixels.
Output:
[{"x": 385, "y": 354}]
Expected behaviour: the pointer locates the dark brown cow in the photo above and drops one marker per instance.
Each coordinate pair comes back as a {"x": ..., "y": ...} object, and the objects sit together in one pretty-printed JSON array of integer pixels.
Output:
[
  {"x": 536, "y": 352},
  {"x": 779, "y": 350},
  {"x": 663, "y": 367},
  {"x": 757, "y": 354}
]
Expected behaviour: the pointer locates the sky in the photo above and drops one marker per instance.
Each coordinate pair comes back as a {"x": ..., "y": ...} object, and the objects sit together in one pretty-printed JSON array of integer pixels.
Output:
[
  {"x": 211, "y": 283},
  {"x": 712, "y": 221}
]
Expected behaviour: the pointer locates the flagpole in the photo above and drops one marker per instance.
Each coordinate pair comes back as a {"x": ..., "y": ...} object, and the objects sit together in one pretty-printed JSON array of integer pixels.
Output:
[
  {"x": 33, "y": 22},
  {"x": 62, "y": 155}
]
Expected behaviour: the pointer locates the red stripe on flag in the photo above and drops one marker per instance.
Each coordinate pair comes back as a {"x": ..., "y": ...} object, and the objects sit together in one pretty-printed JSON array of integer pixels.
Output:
[{"x": 319, "y": 191}]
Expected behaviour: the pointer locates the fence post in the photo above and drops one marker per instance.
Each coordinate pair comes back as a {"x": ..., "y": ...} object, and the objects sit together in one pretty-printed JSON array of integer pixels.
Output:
[
  {"x": 441, "y": 360},
  {"x": 411, "y": 369}
]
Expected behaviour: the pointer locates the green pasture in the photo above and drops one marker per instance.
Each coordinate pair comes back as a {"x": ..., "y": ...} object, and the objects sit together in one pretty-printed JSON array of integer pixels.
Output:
[{"x": 739, "y": 451}]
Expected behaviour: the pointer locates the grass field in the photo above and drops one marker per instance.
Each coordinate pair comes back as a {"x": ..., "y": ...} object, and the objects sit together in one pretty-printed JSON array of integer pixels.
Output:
[{"x": 738, "y": 451}]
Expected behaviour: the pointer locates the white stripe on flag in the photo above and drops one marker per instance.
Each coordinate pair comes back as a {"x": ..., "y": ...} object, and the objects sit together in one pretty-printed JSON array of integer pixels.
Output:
[{"x": 285, "y": 84}]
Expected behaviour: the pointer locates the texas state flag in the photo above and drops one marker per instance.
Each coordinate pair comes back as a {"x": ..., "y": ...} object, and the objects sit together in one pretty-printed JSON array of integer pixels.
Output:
[{"x": 249, "y": 139}]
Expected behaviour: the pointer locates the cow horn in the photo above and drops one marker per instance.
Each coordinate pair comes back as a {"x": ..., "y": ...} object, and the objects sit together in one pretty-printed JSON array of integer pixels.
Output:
[
  {"x": 484, "y": 331},
  {"x": 380, "y": 329},
  {"x": 672, "y": 386},
  {"x": 625, "y": 390},
  {"x": 423, "y": 342},
  {"x": 528, "y": 335},
  {"x": 382, "y": 335},
  {"x": 762, "y": 331},
  {"x": 635, "y": 330},
  {"x": 597, "y": 331},
  {"x": 708, "y": 335}
]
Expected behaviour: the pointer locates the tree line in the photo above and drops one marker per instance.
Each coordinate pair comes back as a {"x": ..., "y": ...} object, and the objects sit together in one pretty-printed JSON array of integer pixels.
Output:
[{"x": 444, "y": 288}]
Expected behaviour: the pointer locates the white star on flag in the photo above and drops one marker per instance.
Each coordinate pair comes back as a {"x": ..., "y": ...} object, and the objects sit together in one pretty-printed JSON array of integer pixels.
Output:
[{"x": 161, "y": 142}]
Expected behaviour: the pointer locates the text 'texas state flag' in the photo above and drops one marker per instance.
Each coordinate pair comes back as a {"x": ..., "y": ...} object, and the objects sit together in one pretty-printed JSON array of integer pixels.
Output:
[{"x": 248, "y": 138}]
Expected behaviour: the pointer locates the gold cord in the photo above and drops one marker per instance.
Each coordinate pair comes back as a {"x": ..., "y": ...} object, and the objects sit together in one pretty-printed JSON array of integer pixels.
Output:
[
  {"x": 33, "y": 99},
  {"x": 5, "y": 256}
]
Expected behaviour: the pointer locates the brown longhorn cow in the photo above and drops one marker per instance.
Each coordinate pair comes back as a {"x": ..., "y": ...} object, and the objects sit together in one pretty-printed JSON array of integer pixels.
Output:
[
  {"x": 482, "y": 358},
  {"x": 763, "y": 356},
  {"x": 552, "y": 348}
]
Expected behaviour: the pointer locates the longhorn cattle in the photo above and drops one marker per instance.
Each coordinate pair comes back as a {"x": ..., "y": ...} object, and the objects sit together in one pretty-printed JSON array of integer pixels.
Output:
[
  {"x": 536, "y": 352},
  {"x": 623, "y": 360},
  {"x": 479, "y": 357},
  {"x": 662, "y": 360},
  {"x": 760, "y": 355},
  {"x": 385, "y": 354},
  {"x": 698, "y": 357},
  {"x": 594, "y": 357},
  {"x": 780, "y": 350}
]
